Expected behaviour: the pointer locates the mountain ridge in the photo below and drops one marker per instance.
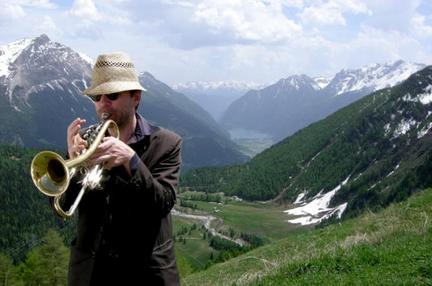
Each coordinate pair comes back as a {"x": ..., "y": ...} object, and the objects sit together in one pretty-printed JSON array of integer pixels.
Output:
[
  {"x": 290, "y": 104},
  {"x": 43, "y": 92}
]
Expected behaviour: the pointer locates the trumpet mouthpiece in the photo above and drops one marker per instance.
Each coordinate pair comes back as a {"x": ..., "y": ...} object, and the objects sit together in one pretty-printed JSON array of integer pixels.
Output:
[{"x": 105, "y": 115}]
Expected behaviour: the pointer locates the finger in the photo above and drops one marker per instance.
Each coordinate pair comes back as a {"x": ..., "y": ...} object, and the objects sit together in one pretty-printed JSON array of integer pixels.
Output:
[
  {"x": 77, "y": 140},
  {"x": 109, "y": 139},
  {"x": 107, "y": 143},
  {"x": 104, "y": 159},
  {"x": 80, "y": 147},
  {"x": 75, "y": 123},
  {"x": 73, "y": 129}
]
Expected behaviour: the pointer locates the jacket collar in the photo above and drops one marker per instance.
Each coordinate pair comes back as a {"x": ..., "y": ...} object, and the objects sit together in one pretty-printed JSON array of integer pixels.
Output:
[{"x": 142, "y": 129}]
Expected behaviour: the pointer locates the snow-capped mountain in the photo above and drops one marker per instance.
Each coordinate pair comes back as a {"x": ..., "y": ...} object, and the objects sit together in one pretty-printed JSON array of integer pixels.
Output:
[
  {"x": 297, "y": 101},
  {"x": 297, "y": 83},
  {"x": 215, "y": 96},
  {"x": 41, "y": 93},
  {"x": 34, "y": 65},
  {"x": 372, "y": 77},
  {"x": 202, "y": 86}
]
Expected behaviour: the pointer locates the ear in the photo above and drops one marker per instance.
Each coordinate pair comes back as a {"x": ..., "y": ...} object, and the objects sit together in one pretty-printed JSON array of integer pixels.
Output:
[{"x": 137, "y": 97}]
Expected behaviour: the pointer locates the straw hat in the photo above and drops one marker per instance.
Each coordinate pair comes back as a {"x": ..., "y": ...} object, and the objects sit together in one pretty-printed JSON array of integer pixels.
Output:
[{"x": 113, "y": 73}]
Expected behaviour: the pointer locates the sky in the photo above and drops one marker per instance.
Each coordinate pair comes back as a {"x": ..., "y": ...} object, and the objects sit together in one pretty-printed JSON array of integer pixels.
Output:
[{"x": 257, "y": 41}]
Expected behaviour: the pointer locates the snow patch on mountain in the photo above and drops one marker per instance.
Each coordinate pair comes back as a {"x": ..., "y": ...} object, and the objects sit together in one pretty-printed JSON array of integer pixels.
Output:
[
  {"x": 86, "y": 58},
  {"x": 321, "y": 81},
  {"x": 404, "y": 126},
  {"x": 318, "y": 209},
  {"x": 425, "y": 130},
  {"x": 9, "y": 53},
  {"x": 426, "y": 97}
]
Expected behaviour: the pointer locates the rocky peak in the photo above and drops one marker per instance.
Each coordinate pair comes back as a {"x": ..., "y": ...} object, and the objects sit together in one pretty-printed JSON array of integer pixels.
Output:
[{"x": 41, "y": 40}]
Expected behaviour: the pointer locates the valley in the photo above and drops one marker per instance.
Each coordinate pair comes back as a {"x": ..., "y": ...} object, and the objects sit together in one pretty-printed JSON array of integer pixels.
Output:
[{"x": 231, "y": 220}]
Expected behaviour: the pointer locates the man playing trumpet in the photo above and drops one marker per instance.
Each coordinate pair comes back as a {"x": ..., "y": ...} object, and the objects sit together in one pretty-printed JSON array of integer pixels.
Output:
[{"x": 124, "y": 231}]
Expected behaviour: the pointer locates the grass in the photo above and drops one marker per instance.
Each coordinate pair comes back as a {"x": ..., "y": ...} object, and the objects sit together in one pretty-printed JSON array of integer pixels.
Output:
[
  {"x": 264, "y": 220},
  {"x": 194, "y": 253},
  {"x": 392, "y": 247}
]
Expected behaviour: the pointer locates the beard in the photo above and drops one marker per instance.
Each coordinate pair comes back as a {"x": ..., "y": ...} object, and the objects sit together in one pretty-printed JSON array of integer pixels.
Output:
[{"x": 120, "y": 117}]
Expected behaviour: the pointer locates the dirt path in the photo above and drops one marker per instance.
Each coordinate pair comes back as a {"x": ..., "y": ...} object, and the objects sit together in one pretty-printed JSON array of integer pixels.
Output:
[{"x": 207, "y": 219}]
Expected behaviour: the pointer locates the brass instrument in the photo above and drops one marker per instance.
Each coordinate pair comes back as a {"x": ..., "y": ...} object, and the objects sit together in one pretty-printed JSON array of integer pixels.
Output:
[{"x": 51, "y": 173}]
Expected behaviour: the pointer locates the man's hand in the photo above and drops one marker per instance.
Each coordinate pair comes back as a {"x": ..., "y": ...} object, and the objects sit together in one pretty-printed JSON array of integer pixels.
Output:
[
  {"x": 75, "y": 143},
  {"x": 112, "y": 152}
]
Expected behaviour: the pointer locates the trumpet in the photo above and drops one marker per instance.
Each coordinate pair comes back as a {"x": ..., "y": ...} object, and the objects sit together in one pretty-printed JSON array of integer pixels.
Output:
[{"x": 51, "y": 174}]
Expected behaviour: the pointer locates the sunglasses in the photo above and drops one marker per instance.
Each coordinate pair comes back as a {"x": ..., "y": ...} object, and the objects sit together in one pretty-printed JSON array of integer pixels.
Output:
[{"x": 111, "y": 96}]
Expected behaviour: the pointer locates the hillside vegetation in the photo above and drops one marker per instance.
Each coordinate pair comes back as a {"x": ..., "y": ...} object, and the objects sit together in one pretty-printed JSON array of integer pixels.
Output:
[
  {"x": 391, "y": 247},
  {"x": 25, "y": 212},
  {"x": 381, "y": 143}
]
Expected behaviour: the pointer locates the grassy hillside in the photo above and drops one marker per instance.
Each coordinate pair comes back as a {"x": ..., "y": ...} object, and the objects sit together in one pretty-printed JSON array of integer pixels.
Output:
[
  {"x": 391, "y": 247},
  {"x": 262, "y": 223}
]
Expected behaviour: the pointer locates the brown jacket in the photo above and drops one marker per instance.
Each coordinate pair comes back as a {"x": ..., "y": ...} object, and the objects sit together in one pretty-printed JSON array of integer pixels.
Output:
[{"x": 124, "y": 231}]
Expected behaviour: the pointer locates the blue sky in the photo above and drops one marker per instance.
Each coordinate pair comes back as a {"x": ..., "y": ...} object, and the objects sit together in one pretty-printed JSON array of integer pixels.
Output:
[{"x": 245, "y": 40}]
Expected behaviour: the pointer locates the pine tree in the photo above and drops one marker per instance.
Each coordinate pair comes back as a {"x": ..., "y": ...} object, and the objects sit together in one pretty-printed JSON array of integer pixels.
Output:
[
  {"x": 46, "y": 264},
  {"x": 6, "y": 270}
]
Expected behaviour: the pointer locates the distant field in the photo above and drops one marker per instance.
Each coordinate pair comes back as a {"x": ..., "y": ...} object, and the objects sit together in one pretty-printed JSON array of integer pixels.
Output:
[{"x": 266, "y": 221}]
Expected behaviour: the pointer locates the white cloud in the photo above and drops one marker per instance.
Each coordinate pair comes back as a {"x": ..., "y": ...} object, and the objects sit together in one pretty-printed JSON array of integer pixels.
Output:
[
  {"x": 247, "y": 20},
  {"x": 332, "y": 12},
  {"x": 11, "y": 11},
  {"x": 374, "y": 45},
  {"x": 47, "y": 26},
  {"x": 255, "y": 40},
  {"x": 37, "y": 3},
  {"x": 109, "y": 11},
  {"x": 419, "y": 26},
  {"x": 293, "y": 3},
  {"x": 85, "y": 9}
]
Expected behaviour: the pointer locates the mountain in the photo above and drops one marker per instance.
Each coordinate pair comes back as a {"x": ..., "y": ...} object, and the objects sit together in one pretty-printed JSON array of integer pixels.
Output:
[
  {"x": 281, "y": 109},
  {"x": 276, "y": 109},
  {"x": 366, "y": 155},
  {"x": 215, "y": 97},
  {"x": 40, "y": 94},
  {"x": 204, "y": 142},
  {"x": 40, "y": 91}
]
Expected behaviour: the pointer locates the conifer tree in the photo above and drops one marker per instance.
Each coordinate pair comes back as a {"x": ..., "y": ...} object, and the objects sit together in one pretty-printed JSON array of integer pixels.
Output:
[{"x": 46, "y": 264}]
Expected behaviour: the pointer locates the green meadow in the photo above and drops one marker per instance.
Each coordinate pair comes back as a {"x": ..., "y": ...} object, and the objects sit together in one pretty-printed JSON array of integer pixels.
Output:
[
  {"x": 264, "y": 220},
  {"x": 390, "y": 247}
]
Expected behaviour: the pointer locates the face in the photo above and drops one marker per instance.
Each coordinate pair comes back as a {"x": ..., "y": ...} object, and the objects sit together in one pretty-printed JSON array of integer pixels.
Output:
[{"x": 121, "y": 108}]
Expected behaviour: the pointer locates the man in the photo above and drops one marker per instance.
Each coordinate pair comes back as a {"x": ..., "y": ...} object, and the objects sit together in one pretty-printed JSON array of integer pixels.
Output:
[{"x": 124, "y": 232}]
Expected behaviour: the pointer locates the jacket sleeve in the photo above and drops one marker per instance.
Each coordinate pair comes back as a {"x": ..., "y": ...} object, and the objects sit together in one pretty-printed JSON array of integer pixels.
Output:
[{"x": 160, "y": 183}]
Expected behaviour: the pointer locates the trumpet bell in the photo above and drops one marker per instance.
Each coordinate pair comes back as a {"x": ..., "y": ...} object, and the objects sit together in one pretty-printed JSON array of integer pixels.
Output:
[{"x": 50, "y": 173}]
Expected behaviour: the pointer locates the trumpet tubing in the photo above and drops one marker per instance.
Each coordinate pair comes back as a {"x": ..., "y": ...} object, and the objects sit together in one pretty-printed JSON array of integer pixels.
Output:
[{"x": 51, "y": 174}]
